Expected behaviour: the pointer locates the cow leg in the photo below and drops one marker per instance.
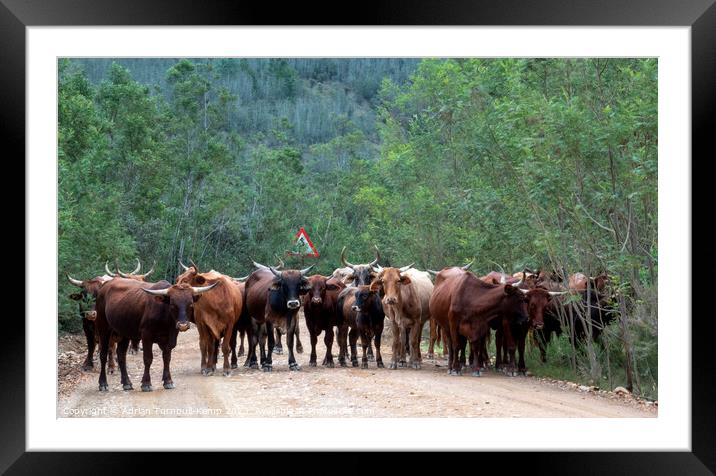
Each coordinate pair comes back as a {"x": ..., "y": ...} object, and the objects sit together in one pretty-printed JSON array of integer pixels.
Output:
[
  {"x": 475, "y": 360},
  {"x": 89, "y": 330},
  {"x": 226, "y": 350},
  {"x": 444, "y": 338},
  {"x": 232, "y": 344},
  {"x": 122, "y": 347},
  {"x": 134, "y": 345},
  {"x": 397, "y": 344},
  {"x": 364, "y": 343},
  {"x": 241, "y": 346},
  {"x": 313, "y": 335},
  {"x": 540, "y": 338},
  {"x": 433, "y": 338},
  {"x": 521, "y": 368},
  {"x": 215, "y": 354},
  {"x": 166, "y": 374},
  {"x": 103, "y": 350},
  {"x": 267, "y": 356},
  {"x": 498, "y": 350},
  {"x": 342, "y": 344},
  {"x": 328, "y": 340},
  {"x": 378, "y": 358},
  {"x": 405, "y": 348},
  {"x": 353, "y": 339},
  {"x": 453, "y": 350},
  {"x": 148, "y": 357},
  {"x": 112, "y": 353},
  {"x": 252, "y": 339},
  {"x": 414, "y": 336},
  {"x": 278, "y": 349},
  {"x": 204, "y": 352},
  {"x": 509, "y": 347},
  {"x": 297, "y": 333},
  {"x": 209, "y": 343},
  {"x": 290, "y": 339}
]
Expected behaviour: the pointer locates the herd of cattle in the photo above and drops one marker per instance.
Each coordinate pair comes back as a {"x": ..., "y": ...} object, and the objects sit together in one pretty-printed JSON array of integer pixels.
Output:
[{"x": 120, "y": 310}]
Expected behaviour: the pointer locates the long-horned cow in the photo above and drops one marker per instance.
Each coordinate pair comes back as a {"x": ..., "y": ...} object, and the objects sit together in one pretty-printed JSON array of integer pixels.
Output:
[
  {"x": 273, "y": 300},
  {"x": 319, "y": 309},
  {"x": 154, "y": 312}
]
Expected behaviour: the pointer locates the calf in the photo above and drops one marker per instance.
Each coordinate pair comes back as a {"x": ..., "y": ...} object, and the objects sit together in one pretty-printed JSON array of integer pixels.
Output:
[
  {"x": 362, "y": 310},
  {"x": 319, "y": 309}
]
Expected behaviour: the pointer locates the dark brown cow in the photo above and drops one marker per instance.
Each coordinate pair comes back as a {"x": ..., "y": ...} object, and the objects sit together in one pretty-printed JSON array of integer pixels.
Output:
[
  {"x": 154, "y": 312},
  {"x": 273, "y": 299},
  {"x": 86, "y": 300},
  {"x": 361, "y": 309},
  {"x": 406, "y": 293},
  {"x": 464, "y": 306},
  {"x": 215, "y": 316},
  {"x": 319, "y": 309}
]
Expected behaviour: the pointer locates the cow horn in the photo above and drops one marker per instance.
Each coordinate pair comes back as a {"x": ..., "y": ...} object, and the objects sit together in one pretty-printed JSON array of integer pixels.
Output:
[
  {"x": 467, "y": 266},
  {"x": 306, "y": 270},
  {"x": 151, "y": 270},
  {"x": 241, "y": 280},
  {"x": 434, "y": 273},
  {"x": 194, "y": 265},
  {"x": 377, "y": 268},
  {"x": 183, "y": 265},
  {"x": 343, "y": 259},
  {"x": 259, "y": 265},
  {"x": 139, "y": 266},
  {"x": 279, "y": 263},
  {"x": 74, "y": 281},
  {"x": 275, "y": 271},
  {"x": 377, "y": 256},
  {"x": 517, "y": 284},
  {"x": 557, "y": 293},
  {"x": 156, "y": 292},
  {"x": 524, "y": 291},
  {"x": 124, "y": 275},
  {"x": 405, "y": 268},
  {"x": 202, "y": 289},
  {"x": 106, "y": 268}
]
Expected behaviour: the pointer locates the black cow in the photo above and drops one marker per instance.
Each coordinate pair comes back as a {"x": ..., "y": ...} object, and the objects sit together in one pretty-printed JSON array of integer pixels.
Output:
[
  {"x": 273, "y": 300},
  {"x": 361, "y": 309}
]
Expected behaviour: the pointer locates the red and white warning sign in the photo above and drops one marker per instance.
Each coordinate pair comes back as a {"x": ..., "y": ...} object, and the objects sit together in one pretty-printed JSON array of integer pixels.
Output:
[{"x": 303, "y": 244}]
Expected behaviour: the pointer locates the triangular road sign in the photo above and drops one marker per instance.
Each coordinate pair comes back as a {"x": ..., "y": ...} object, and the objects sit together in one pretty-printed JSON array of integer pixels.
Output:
[{"x": 304, "y": 245}]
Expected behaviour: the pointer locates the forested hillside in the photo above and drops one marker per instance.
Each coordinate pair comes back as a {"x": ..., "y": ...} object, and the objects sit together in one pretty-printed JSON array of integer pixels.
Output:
[{"x": 547, "y": 163}]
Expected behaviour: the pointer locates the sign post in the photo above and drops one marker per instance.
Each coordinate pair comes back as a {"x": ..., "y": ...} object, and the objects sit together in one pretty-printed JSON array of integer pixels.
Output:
[{"x": 303, "y": 247}]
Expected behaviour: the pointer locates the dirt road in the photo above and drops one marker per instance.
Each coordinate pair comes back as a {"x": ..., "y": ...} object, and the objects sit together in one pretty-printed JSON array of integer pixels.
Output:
[{"x": 328, "y": 392}]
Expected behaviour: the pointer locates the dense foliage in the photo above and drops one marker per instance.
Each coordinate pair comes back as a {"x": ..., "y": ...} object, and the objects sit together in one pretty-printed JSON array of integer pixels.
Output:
[{"x": 546, "y": 163}]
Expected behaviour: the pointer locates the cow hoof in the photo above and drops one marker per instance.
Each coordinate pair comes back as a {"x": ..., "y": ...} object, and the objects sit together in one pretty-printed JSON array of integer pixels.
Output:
[
  {"x": 344, "y": 364},
  {"x": 278, "y": 350},
  {"x": 522, "y": 373},
  {"x": 227, "y": 373},
  {"x": 354, "y": 363},
  {"x": 147, "y": 387},
  {"x": 87, "y": 368},
  {"x": 393, "y": 366},
  {"x": 402, "y": 363},
  {"x": 380, "y": 365},
  {"x": 169, "y": 385},
  {"x": 364, "y": 365},
  {"x": 240, "y": 354},
  {"x": 455, "y": 373},
  {"x": 294, "y": 366},
  {"x": 127, "y": 386},
  {"x": 330, "y": 365},
  {"x": 416, "y": 365},
  {"x": 312, "y": 364},
  {"x": 430, "y": 356},
  {"x": 267, "y": 368},
  {"x": 103, "y": 387},
  {"x": 299, "y": 349},
  {"x": 254, "y": 366},
  {"x": 477, "y": 374},
  {"x": 371, "y": 358}
]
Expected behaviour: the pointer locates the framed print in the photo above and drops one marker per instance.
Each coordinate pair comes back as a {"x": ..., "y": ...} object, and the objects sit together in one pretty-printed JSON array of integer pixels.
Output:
[{"x": 460, "y": 221}]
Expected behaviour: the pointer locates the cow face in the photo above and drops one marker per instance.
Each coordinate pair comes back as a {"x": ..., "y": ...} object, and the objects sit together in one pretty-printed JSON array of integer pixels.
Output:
[
  {"x": 364, "y": 299},
  {"x": 286, "y": 288},
  {"x": 537, "y": 299},
  {"x": 180, "y": 299},
  {"x": 87, "y": 296},
  {"x": 317, "y": 287},
  {"x": 359, "y": 274},
  {"x": 389, "y": 283}
]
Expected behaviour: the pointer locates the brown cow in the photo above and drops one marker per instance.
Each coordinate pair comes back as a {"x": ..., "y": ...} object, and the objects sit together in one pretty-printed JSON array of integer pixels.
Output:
[
  {"x": 154, "y": 312},
  {"x": 406, "y": 293},
  {"x": 465, "y": 305},
  {"x": 319, "y": 309},
  {"x": 361, "y": 309},
  {"x": 215, "y": 316}
]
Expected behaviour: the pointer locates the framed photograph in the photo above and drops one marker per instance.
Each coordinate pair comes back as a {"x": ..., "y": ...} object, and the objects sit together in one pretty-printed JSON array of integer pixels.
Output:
[{"x": 447, "y": 229}]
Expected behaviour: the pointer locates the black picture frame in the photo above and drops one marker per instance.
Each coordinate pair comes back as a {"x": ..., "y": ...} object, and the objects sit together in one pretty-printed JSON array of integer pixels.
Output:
[{"x": 700, "y": 15}]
